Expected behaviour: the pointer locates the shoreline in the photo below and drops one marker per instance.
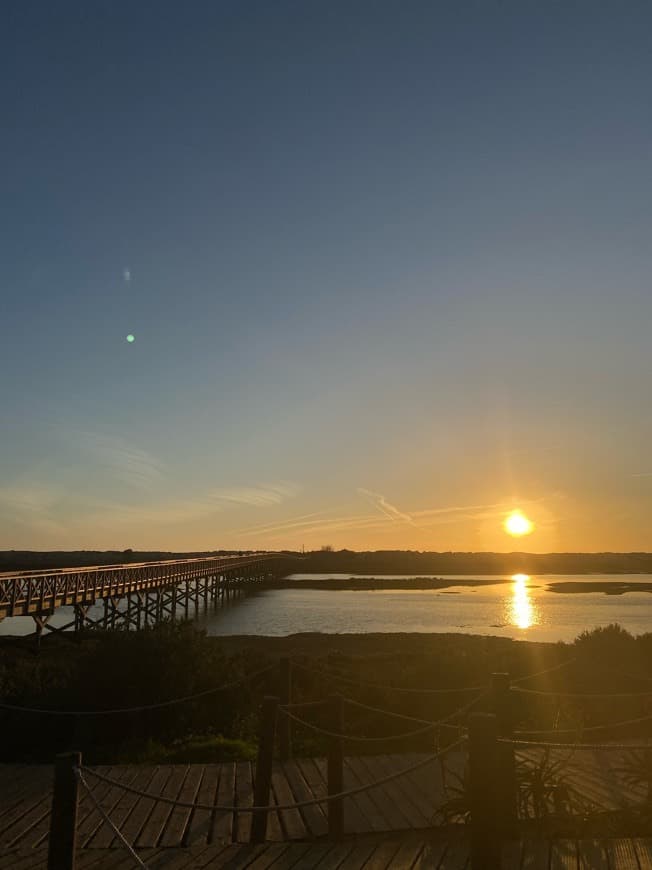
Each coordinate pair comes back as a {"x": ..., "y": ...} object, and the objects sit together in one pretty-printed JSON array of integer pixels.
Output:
[{"x": 371, "y": 584}]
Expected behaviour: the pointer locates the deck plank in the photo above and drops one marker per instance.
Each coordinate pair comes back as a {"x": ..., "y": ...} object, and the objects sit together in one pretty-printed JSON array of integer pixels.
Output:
[
  {"x": 21, "y": 832},
  {"x": 177, "y": 823},
  {"x": 382, "y": 855},
  {"x": 621, "y": 855},
  {"x": 591, "y": 855},
  {"x": 139, "y": 809},
  {"x": 268, "y": 856},
  {"x": 563, "y": 855},
  {"x": 314, "y": 819},
  {"x": 386, "y": 817},
  {"x": 406, "y": 797},
  {"x": 224, "y": 823},
  {"x": 157, "y": 821},
  {"x": 244, "y": 798},
  {"x": 395, "y": 808},
  {"x": 535, "y": 855},
  {"x": 373, "y": 821},
  {"x": 200, "y": 822},
  {"x": 293, "y": 826},
  {"x": 334, "y": 858},
  {"x": 456, "y": 857},
  {"x": 355, "y": 820},
  {"x": 644, "y": 853}
]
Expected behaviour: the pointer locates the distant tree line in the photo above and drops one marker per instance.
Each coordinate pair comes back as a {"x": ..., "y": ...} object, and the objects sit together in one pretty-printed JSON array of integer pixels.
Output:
[{"x": 428, "y": 563}]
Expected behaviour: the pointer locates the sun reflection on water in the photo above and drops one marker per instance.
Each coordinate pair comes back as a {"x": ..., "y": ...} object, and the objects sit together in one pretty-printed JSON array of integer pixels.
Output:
[{"x": 521, "y": 609}]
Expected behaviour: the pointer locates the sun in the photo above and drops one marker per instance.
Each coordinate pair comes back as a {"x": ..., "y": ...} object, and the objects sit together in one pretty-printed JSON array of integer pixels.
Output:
[{"x": 517, "y": 525}]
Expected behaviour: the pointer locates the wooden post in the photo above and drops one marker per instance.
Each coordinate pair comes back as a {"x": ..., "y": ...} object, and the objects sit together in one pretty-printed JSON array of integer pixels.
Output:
[
  {"x": 285, "y": 724},
  {"x": 63, "y": 820},
  {"x": 506, "y": 786},
  {"x": 484, "y": 775},
  {"x": 264, "y": 763},
  {"x": 335, "y": 766}
]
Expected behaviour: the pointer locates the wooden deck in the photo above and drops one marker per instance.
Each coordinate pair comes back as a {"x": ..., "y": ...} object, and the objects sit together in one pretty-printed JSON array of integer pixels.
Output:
[
  {"x": 404, "y": 853},
  {"x": 404, "y": 805},
  {"x": 402, "y": 810}
]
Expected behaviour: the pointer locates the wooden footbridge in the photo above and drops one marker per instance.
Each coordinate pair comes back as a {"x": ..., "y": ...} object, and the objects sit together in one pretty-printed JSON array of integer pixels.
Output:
[{"x": 134, "y": 595}]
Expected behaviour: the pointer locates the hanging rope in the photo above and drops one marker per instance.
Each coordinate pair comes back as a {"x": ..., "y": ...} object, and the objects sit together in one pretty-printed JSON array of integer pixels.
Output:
[
  {"x": 405, "y": 690},
  {"x": 277, "y": 807},
  {"x": 143, "y": 707},
  {"x": 129, "y": 848}
]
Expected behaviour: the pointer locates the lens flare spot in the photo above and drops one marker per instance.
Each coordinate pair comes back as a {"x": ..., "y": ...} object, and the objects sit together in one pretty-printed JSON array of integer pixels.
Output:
[
  {"x": 517, "y": 525},
  {"x": 131, "y": 338}
]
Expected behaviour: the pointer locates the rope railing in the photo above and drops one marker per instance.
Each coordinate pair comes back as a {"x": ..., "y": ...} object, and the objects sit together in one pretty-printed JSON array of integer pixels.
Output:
[
  {"x": 441, "y": 723},
  {"x": 489, "y": 736},
  {"x": 544, "y": 744},
  {"x": 428, "y": 724},
  {"x": 355, "y": 738},
  {"x": 583, "y": 728},
  {"x": 404, "y": 689},
  {"x": 304, "y": 705},
  {"x": 557, "y": 694},
  {"x": 317, "y": 801},
  {"x": 142, "y": 707},
  {"x": 107, "y": 819},
  {"x": 544, "y": 672}
]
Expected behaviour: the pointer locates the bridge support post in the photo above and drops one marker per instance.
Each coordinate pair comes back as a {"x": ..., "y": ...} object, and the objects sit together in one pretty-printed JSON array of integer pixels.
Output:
[
  {"x": 264, "y": 764},
  {"x": 285, "y": 724},
  {"x": 335, "y": 766},
  {"x": 503, "y": 709},
  {"x": 40, "y": 622},
  {"x": 483, "y": 780},
  {"x": 63, "y": 821}
]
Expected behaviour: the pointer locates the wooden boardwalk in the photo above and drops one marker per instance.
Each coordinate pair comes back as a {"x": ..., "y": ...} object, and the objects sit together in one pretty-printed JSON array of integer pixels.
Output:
[
  {"x": 402, "y": 811},
  {"x": 404, "y": 853},
  {"x": 406, "y": 804}
]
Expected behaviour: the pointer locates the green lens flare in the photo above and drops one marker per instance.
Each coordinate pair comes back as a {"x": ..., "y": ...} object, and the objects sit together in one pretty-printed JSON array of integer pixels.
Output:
[{"x": 131, "y": 338}]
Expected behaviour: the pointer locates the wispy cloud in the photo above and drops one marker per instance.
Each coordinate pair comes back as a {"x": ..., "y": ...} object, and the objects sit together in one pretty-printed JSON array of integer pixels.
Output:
[
  {"x": 381, "y": 504},
  {"x": 387, "y": 516},
  {"x": 30, "y": 504},
  {"x": 642, "y": 474},
  {"x": 127, "y": 462},
  {"x": 294, "y": 523},
  {"x": 262, "y": 495},
  {"x": 28, "y": 498},
  {"x": 184, "y": 510}
]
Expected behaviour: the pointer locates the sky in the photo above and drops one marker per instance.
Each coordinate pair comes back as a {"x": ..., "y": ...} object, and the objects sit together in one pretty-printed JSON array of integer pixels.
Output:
[{"x": 386, "y": 268}]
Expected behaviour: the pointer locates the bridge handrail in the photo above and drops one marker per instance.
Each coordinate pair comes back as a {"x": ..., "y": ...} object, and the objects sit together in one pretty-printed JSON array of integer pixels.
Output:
[{"x": 126, "y": 566}]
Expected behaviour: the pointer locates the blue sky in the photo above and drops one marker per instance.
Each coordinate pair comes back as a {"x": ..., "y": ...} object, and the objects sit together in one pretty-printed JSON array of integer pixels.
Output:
[{"x": 387, "y": 267}]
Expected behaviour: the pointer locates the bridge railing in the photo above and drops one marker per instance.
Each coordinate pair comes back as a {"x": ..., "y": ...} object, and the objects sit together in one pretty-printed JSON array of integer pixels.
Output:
[{"x": 26, "y": 593}]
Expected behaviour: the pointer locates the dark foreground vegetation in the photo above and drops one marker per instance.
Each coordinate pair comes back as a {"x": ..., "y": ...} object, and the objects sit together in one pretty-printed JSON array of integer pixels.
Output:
[{"x": 134, "y": 669}]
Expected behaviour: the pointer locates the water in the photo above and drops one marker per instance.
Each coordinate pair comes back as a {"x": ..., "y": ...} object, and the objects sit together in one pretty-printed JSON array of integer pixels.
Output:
[
  {"x": 523, "y": 608},
  {"x": 519, "y": 607}
]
